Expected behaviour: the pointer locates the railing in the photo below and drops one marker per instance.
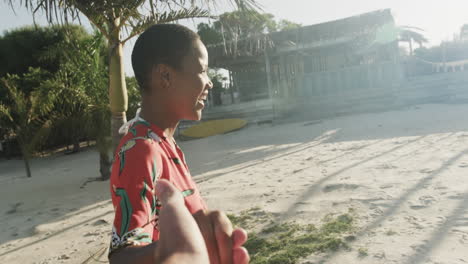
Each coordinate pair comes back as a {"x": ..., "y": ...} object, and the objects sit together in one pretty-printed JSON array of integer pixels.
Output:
[
  {"x": 348, "y": 80},
  {"x": 418, "y": 66}
]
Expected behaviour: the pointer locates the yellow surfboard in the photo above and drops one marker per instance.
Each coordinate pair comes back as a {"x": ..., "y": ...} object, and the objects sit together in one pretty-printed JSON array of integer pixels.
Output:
[{"x": 214, "y": 127}]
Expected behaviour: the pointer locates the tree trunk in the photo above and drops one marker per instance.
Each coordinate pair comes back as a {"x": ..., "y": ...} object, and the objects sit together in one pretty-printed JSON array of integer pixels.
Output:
[
  {"x": 232, "y": 95},
  {"x": 117, "y": 120},
  {"x": 117, "y": 90},
  {"x": 269, "y": 82},
  {"x": 118, "y": 98},
  {"x": 104, "y": 166},
  {"x": 25, "y": 154},
  {"x": 104, "y": 145},
  {"x": 26, "y": 164},
  {"x": 76, "y": 147}
]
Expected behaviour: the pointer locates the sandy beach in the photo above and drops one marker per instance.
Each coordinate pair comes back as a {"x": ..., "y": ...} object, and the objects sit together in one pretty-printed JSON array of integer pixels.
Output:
[{"x": 404, "y": 174}]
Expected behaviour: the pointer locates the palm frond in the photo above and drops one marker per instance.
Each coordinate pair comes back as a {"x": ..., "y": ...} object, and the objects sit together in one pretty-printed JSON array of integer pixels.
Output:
[
  {"x": 39, "y": 136},
  {"x": 239, "y": 4},
  {"x": 5, "y": 112},
  {"x": 42, "y": 103},
  {"x": 140, "y": 24},
  {"x": 17, "y": 97},
  {"x": 101, "y": 13},
  {"x": 408, "y": 33}
]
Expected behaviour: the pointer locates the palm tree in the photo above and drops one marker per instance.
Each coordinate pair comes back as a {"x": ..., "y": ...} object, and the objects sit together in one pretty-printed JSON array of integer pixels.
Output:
[
  {"x": 243, "y": 32},
  {"x": 119, "y": 21},
  {"x": 25, "y": 116},
  {"x": 410, "y": 34},
  {"x": 78, "y": 89},
  {"x": 82, "y": 110}
]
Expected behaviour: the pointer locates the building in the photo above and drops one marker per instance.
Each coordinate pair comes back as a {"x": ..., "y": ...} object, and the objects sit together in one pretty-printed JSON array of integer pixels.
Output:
[{"x": 335, "y": 58}]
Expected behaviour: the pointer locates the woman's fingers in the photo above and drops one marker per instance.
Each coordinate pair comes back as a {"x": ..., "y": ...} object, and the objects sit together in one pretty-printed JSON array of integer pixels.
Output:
[
  {"x": 223, "y": 234},
  {"x": 239, "y": 237},
  {"x": 240, "y": 255},
  {"x": 207, "y": 229},
  {"x": 180, "y": 235}
]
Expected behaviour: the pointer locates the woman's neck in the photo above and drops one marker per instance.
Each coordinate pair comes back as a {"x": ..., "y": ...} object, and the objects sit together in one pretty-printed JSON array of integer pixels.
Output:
[{"x": 160, "y": 118}]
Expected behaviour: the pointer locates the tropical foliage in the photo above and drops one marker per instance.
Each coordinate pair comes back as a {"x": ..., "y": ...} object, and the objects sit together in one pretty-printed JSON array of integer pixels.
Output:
[
  {"x": 217, "y": 78},
  {"x": 28, "y": 116},
  {"x": 241, "y": 24},
  {"x": 25, "y": 47},
  {"x": 232, "y": 30},
  {"x": 412, "y": 35},
  {"x": 118, "y": 22},
  {"x": 77, "y": 84},
  {"x": 446, "y": 51}
]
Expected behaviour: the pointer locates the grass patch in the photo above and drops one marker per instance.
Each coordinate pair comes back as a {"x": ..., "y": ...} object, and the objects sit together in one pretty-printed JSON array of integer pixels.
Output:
[
  {"x": 363, "y": 252},
  {"x": 287, "y": 243},
  {"x": 249, "y": 218}
]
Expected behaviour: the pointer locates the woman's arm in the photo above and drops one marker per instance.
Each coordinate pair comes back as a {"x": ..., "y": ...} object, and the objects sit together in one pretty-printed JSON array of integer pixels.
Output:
[
  {"x": 180, "y": 238},
  {"x": 135, "y": 254}
]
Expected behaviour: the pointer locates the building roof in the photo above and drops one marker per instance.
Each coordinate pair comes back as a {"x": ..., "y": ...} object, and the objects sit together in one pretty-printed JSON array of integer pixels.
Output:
[{"x": 360, "y": 28}]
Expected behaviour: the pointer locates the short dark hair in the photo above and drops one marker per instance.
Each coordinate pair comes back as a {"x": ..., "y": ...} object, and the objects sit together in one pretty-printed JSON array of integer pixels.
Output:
[{"x": 161, "y": 44}]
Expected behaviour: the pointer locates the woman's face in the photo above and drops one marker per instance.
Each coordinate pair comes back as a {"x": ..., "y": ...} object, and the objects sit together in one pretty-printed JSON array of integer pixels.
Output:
[{"x": 191, "y": 84}]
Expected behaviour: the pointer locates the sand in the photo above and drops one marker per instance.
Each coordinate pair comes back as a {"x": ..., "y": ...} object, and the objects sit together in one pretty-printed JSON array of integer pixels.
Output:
[{"x": 404, "y": 173}]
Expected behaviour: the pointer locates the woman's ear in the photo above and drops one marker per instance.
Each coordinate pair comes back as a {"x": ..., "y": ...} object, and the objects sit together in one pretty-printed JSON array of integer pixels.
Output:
[{"x": 162, "y": 76}]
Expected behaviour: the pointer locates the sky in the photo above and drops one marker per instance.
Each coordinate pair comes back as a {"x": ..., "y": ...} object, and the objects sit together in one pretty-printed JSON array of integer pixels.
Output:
[{"x": 439, "y": 19}]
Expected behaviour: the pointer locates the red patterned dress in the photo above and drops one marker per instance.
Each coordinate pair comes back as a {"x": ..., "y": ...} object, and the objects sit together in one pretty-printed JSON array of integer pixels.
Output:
[{"x": 144, "y": 155}]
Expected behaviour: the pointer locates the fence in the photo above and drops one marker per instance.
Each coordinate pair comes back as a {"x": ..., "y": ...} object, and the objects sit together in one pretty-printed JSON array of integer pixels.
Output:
[
  {"x": 352, "y": 90},
  {"x": 378, "y": 88},
  {"x": 349, "y": 80}
]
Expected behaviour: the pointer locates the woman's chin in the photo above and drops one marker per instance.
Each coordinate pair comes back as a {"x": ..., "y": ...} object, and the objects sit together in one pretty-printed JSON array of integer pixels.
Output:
[{"x": 195, "y": 116}]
